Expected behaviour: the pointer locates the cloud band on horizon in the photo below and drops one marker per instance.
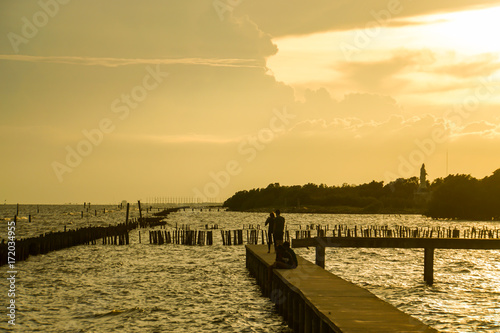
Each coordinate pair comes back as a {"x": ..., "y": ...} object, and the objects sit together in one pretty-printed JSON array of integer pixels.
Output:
[{"x": 116, "y": 62}]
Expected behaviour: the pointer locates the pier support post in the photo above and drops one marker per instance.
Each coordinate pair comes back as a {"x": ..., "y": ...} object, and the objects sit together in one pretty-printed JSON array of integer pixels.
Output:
[
  {"x": 320, "y": 255},
  {"x": 429, "y": 265},
  {"x": 301, "y": 316},
  {"x": 307, "y": 319},
  {"x": 295, "y": 312}
]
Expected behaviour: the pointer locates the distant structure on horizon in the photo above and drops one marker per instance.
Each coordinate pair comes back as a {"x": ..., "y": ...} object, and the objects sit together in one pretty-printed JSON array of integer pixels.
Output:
[
  {"x": 423, "y": 179},
  {"x": 422, "y": 194}
]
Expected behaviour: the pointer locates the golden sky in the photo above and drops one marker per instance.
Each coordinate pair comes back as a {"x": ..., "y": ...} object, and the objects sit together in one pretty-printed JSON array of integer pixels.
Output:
[{"x": 104, "y": 101}]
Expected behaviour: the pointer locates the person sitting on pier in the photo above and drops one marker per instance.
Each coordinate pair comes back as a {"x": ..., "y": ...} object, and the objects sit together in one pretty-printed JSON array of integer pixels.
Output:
[
  {"x": 270, "y": 221},
  {"x": 285, "y": 259},
  {"x": 279, "y": 229},
  {"x": 292, "y": 258}
]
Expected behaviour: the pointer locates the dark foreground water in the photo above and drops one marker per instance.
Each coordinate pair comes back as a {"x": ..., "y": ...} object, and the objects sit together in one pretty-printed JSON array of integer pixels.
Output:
[{"x": 176, "y": 288}]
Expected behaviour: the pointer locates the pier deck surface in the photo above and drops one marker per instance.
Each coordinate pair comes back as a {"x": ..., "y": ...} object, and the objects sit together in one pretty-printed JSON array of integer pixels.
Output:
[{"x": 344, "y": 306}]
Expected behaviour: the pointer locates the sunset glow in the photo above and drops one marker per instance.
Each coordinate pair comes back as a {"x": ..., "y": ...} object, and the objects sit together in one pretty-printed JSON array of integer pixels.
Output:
[{"x": 106, "y": 101}]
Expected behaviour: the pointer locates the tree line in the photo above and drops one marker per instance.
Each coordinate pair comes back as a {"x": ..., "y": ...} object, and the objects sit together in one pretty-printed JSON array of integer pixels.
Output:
[
  {"x": 465, "y": 197},
  {"x": 455, "y": 196}
]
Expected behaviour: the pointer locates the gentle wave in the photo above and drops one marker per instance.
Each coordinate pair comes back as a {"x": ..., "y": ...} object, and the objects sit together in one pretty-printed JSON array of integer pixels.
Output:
[{"x": 149, "y": 288}]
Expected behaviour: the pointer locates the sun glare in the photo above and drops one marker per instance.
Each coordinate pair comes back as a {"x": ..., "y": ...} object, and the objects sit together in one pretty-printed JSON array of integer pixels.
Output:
[
  {"x": 467, "y": 32},
  {"x": 312, "y": 58}
]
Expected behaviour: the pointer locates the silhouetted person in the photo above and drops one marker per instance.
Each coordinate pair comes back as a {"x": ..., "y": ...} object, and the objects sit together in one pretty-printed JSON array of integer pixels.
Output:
[
  {"x": 285, "y": 259},
  {"x": 270, "y": 221},
  {"x": 279, "y": 228},
  {"x": 290, "y": 254}
]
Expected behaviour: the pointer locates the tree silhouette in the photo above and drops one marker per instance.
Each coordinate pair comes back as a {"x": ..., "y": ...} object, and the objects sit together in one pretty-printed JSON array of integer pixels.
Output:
[{"x": 456, "y": 196}]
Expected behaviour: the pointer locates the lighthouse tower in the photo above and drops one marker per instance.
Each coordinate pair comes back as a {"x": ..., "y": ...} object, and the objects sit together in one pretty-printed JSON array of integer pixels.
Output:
[{"x": 423, "y": 179}]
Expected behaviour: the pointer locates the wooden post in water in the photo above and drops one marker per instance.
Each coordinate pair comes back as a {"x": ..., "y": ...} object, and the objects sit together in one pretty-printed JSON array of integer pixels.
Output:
[
  {"x": 320, "y": 255},
  {"x": 126, "y": 216},
  {"x": 140, "y": 212},
  {"x": 429, "y": 265}
]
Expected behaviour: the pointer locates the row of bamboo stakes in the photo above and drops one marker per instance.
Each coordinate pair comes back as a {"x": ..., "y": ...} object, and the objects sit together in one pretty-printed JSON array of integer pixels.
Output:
[
  {"x": 181, "y": 236},
  {"x": 185, "y": 236},
  {"x": 398, "y": 232},
  {"x": 119, "y": 234},
  {"x": 205, "y": 237},
  {"x": 252, "y": 236},
  {"x": 53, "y": 241}
]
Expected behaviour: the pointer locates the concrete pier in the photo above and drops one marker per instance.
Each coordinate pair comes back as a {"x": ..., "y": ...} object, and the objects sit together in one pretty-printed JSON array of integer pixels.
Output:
[{"x": 313, "y": 300}]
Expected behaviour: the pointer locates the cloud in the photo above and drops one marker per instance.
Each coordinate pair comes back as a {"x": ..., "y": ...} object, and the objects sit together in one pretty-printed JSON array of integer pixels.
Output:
[
  {"x": 116, "y": 62},
  {"x": 418, "y": 73},
  {"x": 318, "y": 104},
  {"x": 295, "y": 17},
  {"x": 353, "y": 150},
  {"x": 479, "y": 66},
  {"x": 479, "y": 128},
  {"x": 188, "y": 138},
  {"x": 150, "y": 29},
  {"x": 382, "y": 75},
  {"x": 369, "y": 106},
  {"x": 68, "y": 77},
  {"x": 396, "y": 128}
]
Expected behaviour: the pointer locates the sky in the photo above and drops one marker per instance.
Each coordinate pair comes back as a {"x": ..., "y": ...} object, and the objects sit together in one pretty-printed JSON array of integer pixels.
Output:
[{"x": 104, "y": 101}]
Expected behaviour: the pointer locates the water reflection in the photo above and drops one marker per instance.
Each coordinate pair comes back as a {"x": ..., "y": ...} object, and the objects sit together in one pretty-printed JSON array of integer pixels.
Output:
[{"x": 142, "y": 287}]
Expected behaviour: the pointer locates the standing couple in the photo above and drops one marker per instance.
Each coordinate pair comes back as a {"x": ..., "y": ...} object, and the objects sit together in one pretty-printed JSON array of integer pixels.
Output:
[
  {"x": 276, "y": 230},
  {"x": 285, "y": 256}
]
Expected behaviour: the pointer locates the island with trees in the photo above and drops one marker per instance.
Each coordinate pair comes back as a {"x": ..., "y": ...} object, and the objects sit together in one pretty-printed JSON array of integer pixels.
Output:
[{"x": 456, "y": 196}]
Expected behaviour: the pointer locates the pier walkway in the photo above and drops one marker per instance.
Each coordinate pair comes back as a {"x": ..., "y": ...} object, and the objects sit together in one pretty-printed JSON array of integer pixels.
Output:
[
  {"x": 428, "y": 244},
  {"x": 313, "y": 300}
]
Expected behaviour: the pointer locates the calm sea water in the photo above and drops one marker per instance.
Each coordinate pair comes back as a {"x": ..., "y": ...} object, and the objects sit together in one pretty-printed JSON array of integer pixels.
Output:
[{"x": 176, "y": 288}]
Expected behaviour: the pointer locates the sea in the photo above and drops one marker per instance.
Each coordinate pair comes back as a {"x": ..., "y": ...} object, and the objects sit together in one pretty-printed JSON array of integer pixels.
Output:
[{"x": 143, "y": 287}]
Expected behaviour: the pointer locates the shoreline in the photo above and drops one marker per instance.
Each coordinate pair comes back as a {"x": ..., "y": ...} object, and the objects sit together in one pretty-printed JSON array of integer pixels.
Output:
[
  {"x": 355, "y": 211},
  {"x": 328, "y": 210}
]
